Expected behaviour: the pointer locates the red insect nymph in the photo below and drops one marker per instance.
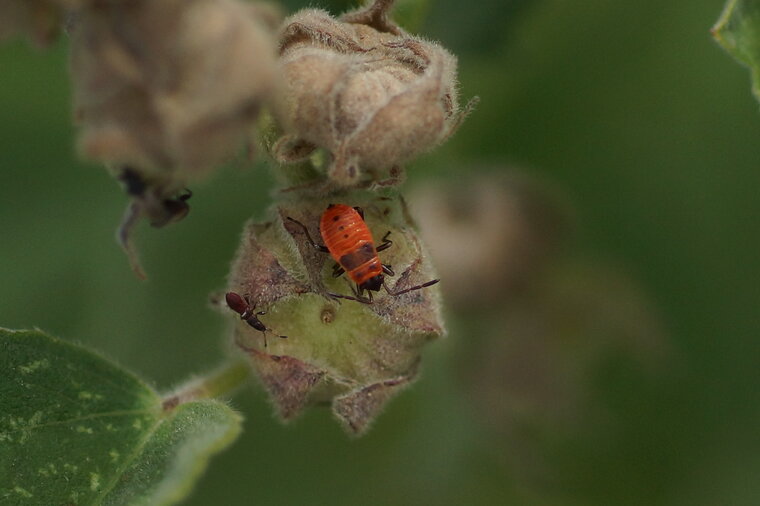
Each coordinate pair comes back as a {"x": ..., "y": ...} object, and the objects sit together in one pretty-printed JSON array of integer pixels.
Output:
[{"x": 349, "y": 241}]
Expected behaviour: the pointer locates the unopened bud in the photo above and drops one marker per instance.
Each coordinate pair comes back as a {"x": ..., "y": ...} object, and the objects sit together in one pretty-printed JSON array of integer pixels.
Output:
[{"x": 360, "y": 87}]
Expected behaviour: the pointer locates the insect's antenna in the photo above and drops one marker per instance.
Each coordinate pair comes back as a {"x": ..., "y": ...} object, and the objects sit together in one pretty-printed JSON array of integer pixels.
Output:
[
  {"x": 308, "y": 235},
  {"x": 418, "y": 287},
  {"x": 276, "y": 335}
]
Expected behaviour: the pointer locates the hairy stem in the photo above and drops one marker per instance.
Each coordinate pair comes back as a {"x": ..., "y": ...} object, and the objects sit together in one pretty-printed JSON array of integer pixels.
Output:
[{"x": 222, "y": 381}]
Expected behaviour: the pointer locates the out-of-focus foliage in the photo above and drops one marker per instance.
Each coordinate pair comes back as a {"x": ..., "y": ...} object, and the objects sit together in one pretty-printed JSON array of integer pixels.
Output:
[
  {"x": 738, "y": 31},
  {"x": 629, "y": 108}
]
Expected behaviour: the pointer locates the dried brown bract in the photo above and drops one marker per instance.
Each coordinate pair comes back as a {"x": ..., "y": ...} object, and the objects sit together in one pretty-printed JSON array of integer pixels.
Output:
[
  {"x": 364, "y": 90},
  {"x": 164, "y": 92},
  {"x": 171, "y": 86}
]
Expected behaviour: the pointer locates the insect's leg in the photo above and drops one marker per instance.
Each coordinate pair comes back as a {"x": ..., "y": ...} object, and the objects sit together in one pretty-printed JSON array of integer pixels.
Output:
[
  {"x": 358, "y": 295},
  {"x": 338, "y": 271},
  {"x": 386, "y": 243},
  {"x": 401, "y": 292},
  {"x": 387, "y": 269},
  {"x": 357, "y": 290},
  {"x": 348, "y": 297},
  {"x": 263, "y": 333},
  {"x": 267, "y": 329},
  {"x": 276, "y": 335},
  {"x": 359, "y": 210},
  {"x": 316, "y": 246}
]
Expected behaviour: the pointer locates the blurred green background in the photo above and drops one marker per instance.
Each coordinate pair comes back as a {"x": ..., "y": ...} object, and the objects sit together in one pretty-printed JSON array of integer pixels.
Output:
[{"x": 629, "y": 107}]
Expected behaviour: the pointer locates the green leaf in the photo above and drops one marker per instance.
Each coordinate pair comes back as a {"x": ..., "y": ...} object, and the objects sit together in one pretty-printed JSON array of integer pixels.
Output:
[
  {"x": 76, "y": 429},
  {"x": 738, "y": 31}
]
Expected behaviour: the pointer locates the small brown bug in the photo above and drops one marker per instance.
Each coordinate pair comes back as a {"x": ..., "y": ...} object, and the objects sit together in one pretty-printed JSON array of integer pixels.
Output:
[{"x": 242, "y": 306}]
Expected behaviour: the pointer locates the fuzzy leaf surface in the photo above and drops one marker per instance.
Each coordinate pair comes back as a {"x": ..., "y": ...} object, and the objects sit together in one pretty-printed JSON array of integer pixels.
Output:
[{"x": 76, "y": 429}]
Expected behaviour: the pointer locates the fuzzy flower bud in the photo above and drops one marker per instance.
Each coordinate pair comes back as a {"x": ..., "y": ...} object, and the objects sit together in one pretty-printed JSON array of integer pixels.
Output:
[
  {"x": 352, "y": 355},
  {"x": 164, "y": 92},
  {"x": 363, "y": 89}
]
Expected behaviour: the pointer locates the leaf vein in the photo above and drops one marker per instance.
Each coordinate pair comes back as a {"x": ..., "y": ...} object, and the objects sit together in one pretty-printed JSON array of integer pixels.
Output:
[
  {"x": 81, "y": 418},
  {"x": 128, "y": 461}
]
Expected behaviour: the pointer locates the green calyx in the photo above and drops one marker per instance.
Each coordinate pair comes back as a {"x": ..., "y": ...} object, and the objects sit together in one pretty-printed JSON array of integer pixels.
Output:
[{"x": 347, "y": 353}]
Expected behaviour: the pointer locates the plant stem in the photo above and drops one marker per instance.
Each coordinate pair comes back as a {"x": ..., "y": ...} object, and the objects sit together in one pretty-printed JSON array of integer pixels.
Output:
[{"x": 220, "y": 382}]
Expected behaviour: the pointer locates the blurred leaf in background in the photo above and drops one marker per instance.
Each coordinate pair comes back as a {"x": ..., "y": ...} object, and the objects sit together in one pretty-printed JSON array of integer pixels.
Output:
[
  {"x": 629, "y": 107},
  {"x": 738, "y": 31}
]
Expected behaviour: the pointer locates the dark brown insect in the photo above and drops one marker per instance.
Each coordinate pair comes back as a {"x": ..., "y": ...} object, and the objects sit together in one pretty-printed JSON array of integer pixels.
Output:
[
  {"x": 248, "y": 313},
  {"x": 349, "y": 241}
]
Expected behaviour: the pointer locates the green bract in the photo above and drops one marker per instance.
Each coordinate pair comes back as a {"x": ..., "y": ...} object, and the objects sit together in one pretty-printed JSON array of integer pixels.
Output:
[{"x": 76, "y": 429}]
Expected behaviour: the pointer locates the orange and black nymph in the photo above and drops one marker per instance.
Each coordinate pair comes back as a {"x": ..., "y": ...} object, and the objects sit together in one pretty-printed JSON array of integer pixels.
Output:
[{"x": 349, "y": 241}]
